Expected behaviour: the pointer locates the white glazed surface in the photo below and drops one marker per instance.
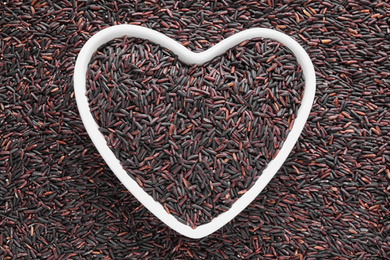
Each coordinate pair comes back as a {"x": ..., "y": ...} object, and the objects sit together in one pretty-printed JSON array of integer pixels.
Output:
[{"x": 189, "y": 57}]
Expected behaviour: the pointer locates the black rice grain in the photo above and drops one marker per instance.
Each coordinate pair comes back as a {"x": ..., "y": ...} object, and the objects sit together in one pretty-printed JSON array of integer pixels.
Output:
[
  {"x": 330, "y": 200},
  {"x": 200, "y": 136}
]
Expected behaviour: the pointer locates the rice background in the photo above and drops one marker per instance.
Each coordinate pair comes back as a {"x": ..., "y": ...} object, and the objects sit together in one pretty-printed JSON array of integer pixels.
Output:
[{"x": 330, "y": 200}]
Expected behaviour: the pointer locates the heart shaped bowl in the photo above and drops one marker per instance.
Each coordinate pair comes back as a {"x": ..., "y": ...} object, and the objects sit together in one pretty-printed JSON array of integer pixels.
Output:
[{"x": 190, "y": 58}]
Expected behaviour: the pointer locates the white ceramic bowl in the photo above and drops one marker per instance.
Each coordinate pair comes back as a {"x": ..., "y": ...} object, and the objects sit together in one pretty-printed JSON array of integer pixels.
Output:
[{"x": 189, "y": 57}]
